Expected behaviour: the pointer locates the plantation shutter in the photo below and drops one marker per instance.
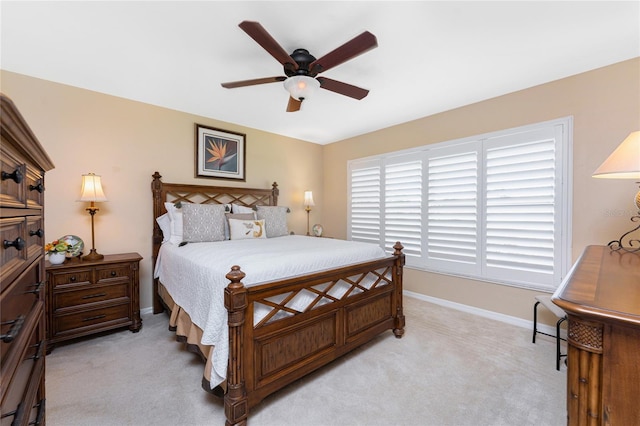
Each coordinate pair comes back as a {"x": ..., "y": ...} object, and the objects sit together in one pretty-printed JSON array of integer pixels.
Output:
[
  {"x": 365, "y": 202},
  {"x": 453, "y": 208},
  {"x": 403, "y": 204},
  {"x": 522, "y": 205}
]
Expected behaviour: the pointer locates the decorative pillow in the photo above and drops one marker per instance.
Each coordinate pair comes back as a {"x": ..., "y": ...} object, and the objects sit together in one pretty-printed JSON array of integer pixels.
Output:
[
  {"x": 175, "y": 214},
  {"x": 243, "y": 216},
  {"x": 203, "y": 222},
  {"x": 244, "y": 229},
  {"x": 275, "y": 219},
  {"x": 164, "y": 222},
  {"x": 237, "y": 208}
]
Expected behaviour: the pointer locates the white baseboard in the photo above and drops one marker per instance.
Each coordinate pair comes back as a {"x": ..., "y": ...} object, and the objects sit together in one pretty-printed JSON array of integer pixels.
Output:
[
  {"x": 488, "y": 314},
  {"x": 145, "y": 311}
]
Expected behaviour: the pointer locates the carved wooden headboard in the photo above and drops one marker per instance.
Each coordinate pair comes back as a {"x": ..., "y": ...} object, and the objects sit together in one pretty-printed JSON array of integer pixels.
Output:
[{"x": 201, "y": 194}]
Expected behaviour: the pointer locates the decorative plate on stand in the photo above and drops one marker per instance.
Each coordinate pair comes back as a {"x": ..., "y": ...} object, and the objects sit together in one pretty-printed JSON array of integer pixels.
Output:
[
  {"x": 76, "y": 243},
  {"x": 317, "y": 230}
]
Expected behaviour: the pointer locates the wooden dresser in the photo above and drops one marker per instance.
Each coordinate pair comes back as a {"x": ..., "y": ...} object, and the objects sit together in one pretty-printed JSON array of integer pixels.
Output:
[
  {"x": 602, "y": 300},
  {"x": 23, "y": 163},
  {"x": 88, "y": 297}
]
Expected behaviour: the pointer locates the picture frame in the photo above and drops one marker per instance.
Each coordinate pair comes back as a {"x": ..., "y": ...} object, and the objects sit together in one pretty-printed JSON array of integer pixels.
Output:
[{"x": 219, "y": 154}]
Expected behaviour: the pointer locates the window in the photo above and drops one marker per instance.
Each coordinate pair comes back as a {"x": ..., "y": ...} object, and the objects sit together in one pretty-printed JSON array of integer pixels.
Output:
[{"x": 493, "y": 207}]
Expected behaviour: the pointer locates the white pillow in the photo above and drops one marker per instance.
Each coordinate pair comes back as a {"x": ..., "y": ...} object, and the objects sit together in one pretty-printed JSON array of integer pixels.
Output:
[
  {"x": 237, "y": 208},
  {"x": 175, "y": 214},
  {"x": 246, "y": 229},
  {"x": 164, "y": 222}
]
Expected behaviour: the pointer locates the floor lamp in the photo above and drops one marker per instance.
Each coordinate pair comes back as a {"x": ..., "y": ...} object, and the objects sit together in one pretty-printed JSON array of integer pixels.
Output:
[{"x": 92, "y": 192}]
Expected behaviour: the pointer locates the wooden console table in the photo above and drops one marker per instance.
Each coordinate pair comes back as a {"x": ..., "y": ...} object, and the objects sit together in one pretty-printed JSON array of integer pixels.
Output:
[{"x": 602, "y": 300}]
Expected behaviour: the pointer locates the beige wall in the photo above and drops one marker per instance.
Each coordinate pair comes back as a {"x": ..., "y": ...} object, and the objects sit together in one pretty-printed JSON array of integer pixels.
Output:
[
  {"x": 126, "y": 142},
  {"x": 605, "y": 104}
]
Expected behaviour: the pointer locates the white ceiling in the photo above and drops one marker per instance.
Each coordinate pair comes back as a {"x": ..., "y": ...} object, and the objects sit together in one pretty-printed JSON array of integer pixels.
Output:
[{"x": 431, "y": 56}]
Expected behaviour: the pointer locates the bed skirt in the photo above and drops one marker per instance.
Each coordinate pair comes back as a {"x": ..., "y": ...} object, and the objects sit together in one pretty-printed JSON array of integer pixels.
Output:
[{"x": 190, "y": 334}]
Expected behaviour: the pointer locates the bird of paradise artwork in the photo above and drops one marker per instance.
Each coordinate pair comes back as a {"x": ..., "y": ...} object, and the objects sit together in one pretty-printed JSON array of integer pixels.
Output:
[{"x": 220, "y": 152}]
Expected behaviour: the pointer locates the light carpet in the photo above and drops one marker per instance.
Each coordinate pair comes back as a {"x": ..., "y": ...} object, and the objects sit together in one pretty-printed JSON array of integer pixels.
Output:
[{"x": 450, "y": 368}]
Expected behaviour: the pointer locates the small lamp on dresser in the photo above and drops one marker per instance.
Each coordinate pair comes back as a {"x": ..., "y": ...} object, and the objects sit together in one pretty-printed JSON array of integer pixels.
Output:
[
  {"x": 92, "y": 192},
  {"x": 624, "y": 163}
]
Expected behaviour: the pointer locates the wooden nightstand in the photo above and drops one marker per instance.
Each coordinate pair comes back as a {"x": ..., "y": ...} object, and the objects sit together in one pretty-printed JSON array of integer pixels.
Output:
[{"x": 85, "y": 298}]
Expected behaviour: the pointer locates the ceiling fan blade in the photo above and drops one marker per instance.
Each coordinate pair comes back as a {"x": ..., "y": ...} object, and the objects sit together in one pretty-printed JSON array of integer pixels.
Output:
[
  {"x": 342, "y": 88},
  {"x": 354, "y": 47},
  {"x": 268, "y": 43},
  {"x": 255, "y": 81},
  {"x": 293, "y": 105}
]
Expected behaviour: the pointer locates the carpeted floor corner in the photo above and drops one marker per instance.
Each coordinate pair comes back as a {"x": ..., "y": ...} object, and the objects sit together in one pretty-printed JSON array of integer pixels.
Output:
[{"x": 450, "y": 368}]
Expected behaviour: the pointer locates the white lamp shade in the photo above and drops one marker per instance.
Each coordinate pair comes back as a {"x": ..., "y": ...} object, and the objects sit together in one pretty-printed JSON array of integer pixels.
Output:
[
  {"x": 308, "y": 198},
  {"x": 624, "y": 162},
  {"x": 301, "y": 86},
  {"x": 91, "y": 188}
]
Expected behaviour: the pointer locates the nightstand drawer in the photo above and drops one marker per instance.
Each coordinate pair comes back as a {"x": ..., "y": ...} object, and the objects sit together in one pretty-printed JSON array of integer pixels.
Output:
[
  {"x": 78, "y": 276},
  {"x": 112, "y": 272},
  {"x": 91, "y": 294},
  {"x": 93, "y": 318}
]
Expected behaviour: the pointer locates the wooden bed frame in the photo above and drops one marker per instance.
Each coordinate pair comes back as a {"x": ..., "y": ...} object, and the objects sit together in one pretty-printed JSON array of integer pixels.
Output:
[{"x": 274, "y": 353}]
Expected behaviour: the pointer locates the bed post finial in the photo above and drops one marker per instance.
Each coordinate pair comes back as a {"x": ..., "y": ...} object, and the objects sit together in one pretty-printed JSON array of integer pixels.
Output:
[{"x": 236, "y": 404}]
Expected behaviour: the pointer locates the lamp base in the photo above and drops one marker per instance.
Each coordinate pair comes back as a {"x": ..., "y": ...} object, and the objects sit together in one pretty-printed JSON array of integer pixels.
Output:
[
  {"x": 93, "y": 256},
  {"x": 633, "y": 243}
]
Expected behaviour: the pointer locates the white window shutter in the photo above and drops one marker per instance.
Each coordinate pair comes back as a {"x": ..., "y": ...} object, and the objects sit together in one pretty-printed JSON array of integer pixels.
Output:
[
  {"x": 521, "y": 206},
  {"x": 452, "y": 209},
  {"x": 403, "y": 204},
  {"x": 365, "y": 202}
]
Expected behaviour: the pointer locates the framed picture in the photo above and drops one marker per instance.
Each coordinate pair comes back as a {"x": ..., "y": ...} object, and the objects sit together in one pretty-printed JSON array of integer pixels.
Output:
[{"x": 220, "y": 154}]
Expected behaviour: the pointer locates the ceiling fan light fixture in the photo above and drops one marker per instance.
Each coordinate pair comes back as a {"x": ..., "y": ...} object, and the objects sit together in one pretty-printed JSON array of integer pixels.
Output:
[{"x": 301, "y": 86}]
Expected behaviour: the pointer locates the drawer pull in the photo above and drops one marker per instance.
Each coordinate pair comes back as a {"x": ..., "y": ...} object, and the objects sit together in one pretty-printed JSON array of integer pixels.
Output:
[
  {"x": 72, "y": 279},
  {"x": 14, "y": 330},
  {"x": 113, "y": 273},
  {"x": 39, "y": 351},
  {"x": 16, "y": 176},
  {"x": 38, "y": 187},
  {"x": 38, "y": 233},
  {"x": 16, "y": 414},
  {"x": 37, "y": 288},
  {"x": 94, "y": 318},
  {"x": 91, "y": 296},
  {"x": 40, "y": 416},
  {"x": 18, "y": 244}
]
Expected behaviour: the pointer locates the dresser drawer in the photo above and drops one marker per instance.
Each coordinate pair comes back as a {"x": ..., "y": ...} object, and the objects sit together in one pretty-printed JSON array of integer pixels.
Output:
[
  {"x": 113, "y": 272},
  {"x": 12, "y": 193},
  {"x": 78, "y": 276},
  {"x": 34, "y": 188},
  {"x": 88, "y": 294},
  {"x": 15, "y": 306},
  {"x": 25, "y": 377},
  {"x": 92, "y": 319},
  {"x": 35, "y": 236},
  {"x": 14, "y": 258}
]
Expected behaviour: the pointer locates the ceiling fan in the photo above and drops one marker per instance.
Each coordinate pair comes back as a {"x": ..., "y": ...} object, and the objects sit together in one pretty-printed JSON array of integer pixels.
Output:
[{"x": 301, "y": 69}]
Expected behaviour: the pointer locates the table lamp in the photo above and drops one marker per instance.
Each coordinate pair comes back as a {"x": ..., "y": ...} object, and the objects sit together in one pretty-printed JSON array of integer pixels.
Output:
[
  {"x": 92, "y": 192},
  {"x": 624, "y": 163},
  {"x": 308, "y": 203}
]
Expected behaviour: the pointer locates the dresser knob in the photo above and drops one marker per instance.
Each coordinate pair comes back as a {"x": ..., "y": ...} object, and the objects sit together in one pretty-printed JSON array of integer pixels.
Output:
[
  {"x": 18, "y": 244},
  {"x": 16, "y": 176},
  {"x": 113, "y": 273},
  {"x": 72, "y": 279},
  {"x": 39, "y": 233},
  {"x": 39, "y": 187}
]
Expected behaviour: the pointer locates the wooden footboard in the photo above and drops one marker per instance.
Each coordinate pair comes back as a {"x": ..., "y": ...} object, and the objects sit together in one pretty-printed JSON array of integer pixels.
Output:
[{"x": 290, "y": 342}]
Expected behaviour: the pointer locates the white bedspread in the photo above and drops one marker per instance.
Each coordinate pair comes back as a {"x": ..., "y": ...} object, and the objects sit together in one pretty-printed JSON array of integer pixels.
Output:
[{"x": 194, "y": 275}]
